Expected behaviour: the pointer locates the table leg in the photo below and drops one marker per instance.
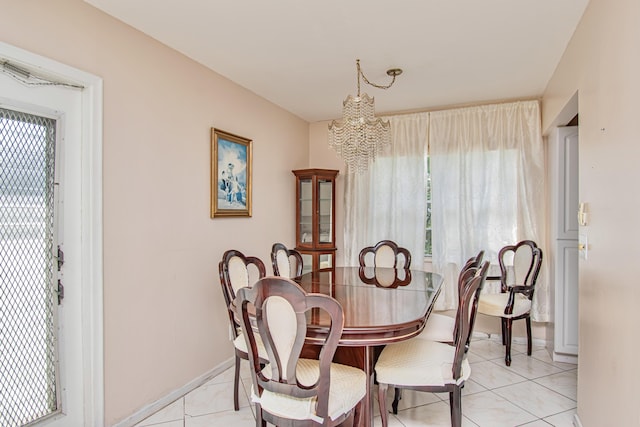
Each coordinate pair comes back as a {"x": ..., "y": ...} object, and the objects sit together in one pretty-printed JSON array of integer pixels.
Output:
[{"x": 367, "y": 410}]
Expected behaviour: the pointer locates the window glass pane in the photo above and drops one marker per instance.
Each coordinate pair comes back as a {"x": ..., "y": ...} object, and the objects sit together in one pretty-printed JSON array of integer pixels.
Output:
[{"x": 427, "y": 243}]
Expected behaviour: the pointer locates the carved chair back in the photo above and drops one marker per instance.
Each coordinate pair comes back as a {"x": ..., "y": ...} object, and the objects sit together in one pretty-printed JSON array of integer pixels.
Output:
[
  {"x": 237, "y": 271},
  {"x": 285, "y": 262},
  {"x": 519, "y": 266},
  {"x": 385, "y": 253}
]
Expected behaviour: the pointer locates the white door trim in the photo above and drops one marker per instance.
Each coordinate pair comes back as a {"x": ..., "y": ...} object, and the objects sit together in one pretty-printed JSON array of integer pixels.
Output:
[{"x": 91, "y": 222}]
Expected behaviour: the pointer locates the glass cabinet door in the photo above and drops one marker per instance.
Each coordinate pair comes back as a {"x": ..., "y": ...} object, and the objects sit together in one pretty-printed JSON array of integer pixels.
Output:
[
  {"x": 325, "y": 260},
  {"x": 325, "y": 207},
  {"x": 316, "y": 260},
  {"x": 307, "y": 263},
  {"x": 306, "y": 212}
]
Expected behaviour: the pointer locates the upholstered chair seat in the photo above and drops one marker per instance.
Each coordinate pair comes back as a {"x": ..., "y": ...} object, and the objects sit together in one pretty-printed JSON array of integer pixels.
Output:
[
  {"x": 419, "y": 362},
  {"x": 494, "y": 304},
  {"x": 240, "y": 344},
  {"x": 348, "y": 387}
]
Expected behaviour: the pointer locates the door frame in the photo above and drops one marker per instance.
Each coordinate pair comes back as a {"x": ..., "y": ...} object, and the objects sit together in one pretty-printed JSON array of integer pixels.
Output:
[{"x": 91, "y": 264}]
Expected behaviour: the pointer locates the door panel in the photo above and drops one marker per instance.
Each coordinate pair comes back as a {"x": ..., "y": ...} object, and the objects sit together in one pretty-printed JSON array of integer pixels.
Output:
[
  {"x": 566, "y": 322},
  {"x": 568, "y": 185},
  {"x": 64, "y": 105}
]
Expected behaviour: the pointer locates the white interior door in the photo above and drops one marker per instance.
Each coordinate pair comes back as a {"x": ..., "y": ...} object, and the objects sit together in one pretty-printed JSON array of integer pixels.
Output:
[{"x": 565, "y": 243}]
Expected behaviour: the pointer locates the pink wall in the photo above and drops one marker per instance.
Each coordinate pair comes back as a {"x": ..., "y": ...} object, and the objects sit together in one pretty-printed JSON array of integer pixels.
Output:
[
  {"x": 602, "y": 65},
  {"x": 164, "y": 318}
]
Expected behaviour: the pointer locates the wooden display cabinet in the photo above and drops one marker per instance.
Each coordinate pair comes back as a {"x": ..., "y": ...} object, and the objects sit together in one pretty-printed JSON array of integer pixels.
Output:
[{"x": 315, "y": 217}]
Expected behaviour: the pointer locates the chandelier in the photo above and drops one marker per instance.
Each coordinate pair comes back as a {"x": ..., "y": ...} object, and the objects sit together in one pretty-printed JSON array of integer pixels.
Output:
[{"x": 360, "y": 136}]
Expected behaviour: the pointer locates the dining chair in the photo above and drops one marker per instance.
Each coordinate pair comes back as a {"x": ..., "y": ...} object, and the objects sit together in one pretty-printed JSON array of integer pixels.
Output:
[
  {"x": 440, "y": 327},
  {"x": 290, "y": 390},
  {"x": 385, "y": 253},
  {"x": 433, "y": 366},
  {"x": 286, "y": 262},
  {"x": 519, "y": 268},
  {"x": 236, "y": 271}
]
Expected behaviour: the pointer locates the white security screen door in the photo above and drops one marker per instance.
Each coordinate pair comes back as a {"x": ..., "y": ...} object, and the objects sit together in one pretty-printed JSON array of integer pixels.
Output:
[
  {"x": 29, "y": 374},
  {"x": 50, "y": 205}
]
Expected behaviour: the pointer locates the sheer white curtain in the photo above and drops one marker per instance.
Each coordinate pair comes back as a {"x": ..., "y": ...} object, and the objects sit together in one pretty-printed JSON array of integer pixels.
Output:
[
  {"x": 488, "y": 181},
  {"x": 388, "y": 201}
]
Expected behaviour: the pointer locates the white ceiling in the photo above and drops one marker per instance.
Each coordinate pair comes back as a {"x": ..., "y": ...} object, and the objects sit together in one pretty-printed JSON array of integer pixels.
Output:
[{"x": 300, "y": 54}]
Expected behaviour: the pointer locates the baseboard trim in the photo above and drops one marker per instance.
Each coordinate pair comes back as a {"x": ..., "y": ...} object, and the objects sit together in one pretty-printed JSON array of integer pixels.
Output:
[
  {"x": 168, "y": 399},
  {"x": 517, "y": 340},
  {"x": 564, "y": 358},
  {"x": 576, "y": 420}
]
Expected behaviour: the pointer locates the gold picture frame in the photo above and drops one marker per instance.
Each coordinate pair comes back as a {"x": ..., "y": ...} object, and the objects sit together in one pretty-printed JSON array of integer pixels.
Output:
[{"x": 231, "y": 164}]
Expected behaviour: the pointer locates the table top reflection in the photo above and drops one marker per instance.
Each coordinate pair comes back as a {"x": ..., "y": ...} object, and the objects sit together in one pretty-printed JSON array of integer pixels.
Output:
[{"x": 381, "y": 305}]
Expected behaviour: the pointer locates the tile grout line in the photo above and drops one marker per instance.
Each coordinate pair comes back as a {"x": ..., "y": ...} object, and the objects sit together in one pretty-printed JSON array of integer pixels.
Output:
[{"x": 495, "y": 363}]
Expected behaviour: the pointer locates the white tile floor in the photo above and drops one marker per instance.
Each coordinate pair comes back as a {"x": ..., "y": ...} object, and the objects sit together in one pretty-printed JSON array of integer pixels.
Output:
[{"x": 534, "y": 392}]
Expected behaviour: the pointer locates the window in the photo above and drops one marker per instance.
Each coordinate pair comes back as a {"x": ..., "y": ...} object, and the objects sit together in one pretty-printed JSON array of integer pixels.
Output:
[{"x": 427, "y": 235}]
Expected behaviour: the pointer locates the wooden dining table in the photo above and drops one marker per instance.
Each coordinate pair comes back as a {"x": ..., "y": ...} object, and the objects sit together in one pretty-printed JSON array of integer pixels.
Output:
[{"x": 381, "y": 306}]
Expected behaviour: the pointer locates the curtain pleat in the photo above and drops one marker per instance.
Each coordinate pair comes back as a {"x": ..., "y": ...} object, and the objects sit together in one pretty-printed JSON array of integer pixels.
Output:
[
  {"x": 387, "y": 201},
  {"x": 488, "y": 180},
  {"x": 488, "y": 191}
]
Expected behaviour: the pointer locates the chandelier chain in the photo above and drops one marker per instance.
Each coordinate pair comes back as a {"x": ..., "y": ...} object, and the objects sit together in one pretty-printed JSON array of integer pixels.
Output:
[{"x": 366, "y": 80}]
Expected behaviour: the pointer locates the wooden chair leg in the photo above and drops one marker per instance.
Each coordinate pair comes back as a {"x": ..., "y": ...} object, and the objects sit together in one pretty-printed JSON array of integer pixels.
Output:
[
  {"x": 259, "y": 421},
  {"x": 357, "y": 413},
  {"x": 382, "y": 403},
  {"x": 236, "y": 385},
  {"x": 503, "y": 323},
  {"x": 529, "y": 343},
  {"x": 455, "y": 401},
  {"x": 397, "y": 395},
  {"x": 507, "y": 357}
]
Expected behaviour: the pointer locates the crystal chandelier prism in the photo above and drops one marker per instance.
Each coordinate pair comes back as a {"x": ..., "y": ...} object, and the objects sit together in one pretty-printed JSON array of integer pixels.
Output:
[{"x": 359, "y": 137}]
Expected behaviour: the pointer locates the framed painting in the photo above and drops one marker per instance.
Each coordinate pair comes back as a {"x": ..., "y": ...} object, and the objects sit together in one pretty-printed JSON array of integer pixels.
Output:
[{"x": 231, "y": 159}]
